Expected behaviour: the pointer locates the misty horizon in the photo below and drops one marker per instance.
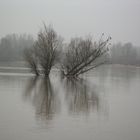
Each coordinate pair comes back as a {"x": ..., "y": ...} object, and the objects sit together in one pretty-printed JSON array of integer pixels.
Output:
[{"x": 118, "y": 19}]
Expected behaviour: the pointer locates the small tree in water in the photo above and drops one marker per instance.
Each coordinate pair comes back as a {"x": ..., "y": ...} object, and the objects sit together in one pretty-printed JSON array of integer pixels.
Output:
[
  {"x": 44, "y": 51},
  {"x": 83, "y": 55}
]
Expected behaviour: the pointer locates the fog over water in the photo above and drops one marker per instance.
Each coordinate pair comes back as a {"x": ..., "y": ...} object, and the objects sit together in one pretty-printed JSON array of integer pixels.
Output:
[{"x": 78, "y": 79}]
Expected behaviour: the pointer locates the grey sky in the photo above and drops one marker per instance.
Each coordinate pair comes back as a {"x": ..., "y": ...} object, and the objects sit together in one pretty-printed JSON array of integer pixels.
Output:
[{"x": 118, "y": 18}]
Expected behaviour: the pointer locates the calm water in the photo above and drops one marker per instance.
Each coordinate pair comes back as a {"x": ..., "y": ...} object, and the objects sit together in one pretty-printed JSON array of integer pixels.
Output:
[{"x": 103, "y": 105}]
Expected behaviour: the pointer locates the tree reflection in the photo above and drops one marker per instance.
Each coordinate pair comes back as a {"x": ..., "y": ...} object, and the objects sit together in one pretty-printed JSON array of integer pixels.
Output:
[
  {"x": 80, "y": 98},
  {"x": 31, "y": 84},
  {"x": 43, "y": 97}
]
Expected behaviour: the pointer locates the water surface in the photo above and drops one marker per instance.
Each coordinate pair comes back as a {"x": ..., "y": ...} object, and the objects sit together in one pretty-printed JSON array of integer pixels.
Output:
[{"x": 102, "y": 105}]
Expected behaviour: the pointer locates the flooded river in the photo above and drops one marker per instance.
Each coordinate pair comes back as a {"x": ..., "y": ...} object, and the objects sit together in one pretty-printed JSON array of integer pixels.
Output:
[{"x": 102, "y": 105}]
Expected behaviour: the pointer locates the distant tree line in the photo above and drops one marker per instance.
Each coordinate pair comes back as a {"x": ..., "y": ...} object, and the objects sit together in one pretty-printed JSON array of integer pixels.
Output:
[
  {"x": 126, "y": 54},
  {"x": 12, "y": 46}
]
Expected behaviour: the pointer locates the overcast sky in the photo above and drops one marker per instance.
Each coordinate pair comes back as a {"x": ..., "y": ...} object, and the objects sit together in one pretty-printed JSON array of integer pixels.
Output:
[{"x": 117, "y": 18}]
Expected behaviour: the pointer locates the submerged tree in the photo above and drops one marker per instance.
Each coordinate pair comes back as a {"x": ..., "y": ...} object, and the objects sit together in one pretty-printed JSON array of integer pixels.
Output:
[
  {"x": 83, "y": 55},
  {"x": 44, "y": 51}
]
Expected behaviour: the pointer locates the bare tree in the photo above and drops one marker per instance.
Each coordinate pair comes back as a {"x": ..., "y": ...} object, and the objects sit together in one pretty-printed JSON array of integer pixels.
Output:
[
  {"x": 46, "y": 46},
  {"x": 83, "y": 55},
  {"x": 44, "y": 50}
]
